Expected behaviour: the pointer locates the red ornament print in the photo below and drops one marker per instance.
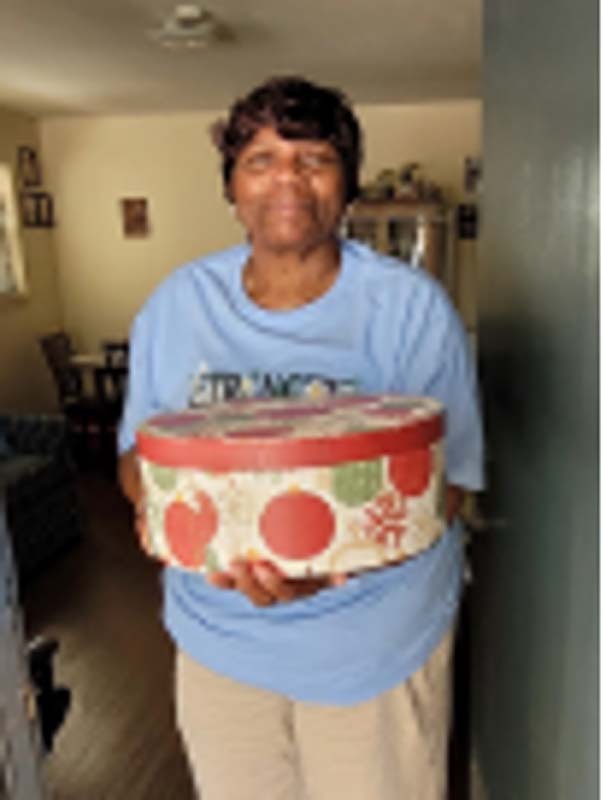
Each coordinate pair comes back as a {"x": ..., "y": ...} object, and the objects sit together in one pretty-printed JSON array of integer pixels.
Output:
[
  {"x": 410, "y": 472},
  {"x": 189, "y": 530},
  {"x": 297, "y": 525}
]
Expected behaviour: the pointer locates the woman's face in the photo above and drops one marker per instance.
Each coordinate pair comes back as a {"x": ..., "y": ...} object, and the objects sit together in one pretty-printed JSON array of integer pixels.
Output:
[{"x": 288, "y": 193}]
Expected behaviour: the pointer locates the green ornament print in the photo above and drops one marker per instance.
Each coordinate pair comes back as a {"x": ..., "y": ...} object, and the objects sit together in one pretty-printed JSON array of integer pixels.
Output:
[
  {"x": 163, "y": 477},
  {"x": 357, "y": 483},
  {"x": 211, "y": 560}
]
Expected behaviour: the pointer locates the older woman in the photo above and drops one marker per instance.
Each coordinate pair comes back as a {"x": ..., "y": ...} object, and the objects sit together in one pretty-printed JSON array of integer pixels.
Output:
[{"x": 336, "y": 688}]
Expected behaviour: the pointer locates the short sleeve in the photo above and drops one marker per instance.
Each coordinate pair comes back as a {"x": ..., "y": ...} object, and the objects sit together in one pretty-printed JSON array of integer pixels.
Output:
[{"x": 436, "y": 361}]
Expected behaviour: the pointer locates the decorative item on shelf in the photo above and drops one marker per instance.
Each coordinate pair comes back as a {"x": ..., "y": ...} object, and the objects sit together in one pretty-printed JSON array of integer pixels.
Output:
[
  {"x": 370, "y": 191},
  {"x": 386, "y": 182},
  {"x": 135, "y": 216},
  {"x": 37, "y": 210},
  {"x": 409, "y": 185},
  {"x": 406, "y": 183}
]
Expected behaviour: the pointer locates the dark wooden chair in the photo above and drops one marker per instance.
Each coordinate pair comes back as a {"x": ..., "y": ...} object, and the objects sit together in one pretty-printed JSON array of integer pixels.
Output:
[
  {"x": 58, "y": 350},
  {"x": 83, "y": 411},
  {"x": 110, "y": 382},
  {"x": 116, "y": 352}
]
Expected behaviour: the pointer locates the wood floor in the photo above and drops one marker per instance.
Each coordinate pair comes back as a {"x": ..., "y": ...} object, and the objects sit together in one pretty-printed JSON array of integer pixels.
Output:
[{"x": 101, "y": 600}]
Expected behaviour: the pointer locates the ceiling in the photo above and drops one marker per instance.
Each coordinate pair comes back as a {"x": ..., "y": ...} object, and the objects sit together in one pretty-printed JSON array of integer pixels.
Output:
[{"x": 94, "y": 56}]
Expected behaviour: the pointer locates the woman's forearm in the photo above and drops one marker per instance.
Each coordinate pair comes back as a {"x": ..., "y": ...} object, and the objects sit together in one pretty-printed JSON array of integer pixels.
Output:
[{"x": 129, "y": 476}]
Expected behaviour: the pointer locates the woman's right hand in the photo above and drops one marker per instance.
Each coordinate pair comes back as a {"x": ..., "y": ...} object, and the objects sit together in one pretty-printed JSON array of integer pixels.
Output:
[
  {"x": 128, "y": 472},
  {"x": 131, "y": 485},
  {"x": 264, "y": 584}
]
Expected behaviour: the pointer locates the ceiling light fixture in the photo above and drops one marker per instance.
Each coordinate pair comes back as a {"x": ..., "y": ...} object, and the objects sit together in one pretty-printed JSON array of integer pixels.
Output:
[{"x": 187, "y": 26}]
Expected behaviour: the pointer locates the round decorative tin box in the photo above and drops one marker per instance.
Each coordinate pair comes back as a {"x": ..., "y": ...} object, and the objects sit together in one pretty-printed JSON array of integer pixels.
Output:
[{"x": 315, "y": 487}]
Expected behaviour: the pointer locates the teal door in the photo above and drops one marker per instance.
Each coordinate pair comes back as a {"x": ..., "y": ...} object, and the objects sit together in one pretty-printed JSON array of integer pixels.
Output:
[{"x": 534, "y": 602}]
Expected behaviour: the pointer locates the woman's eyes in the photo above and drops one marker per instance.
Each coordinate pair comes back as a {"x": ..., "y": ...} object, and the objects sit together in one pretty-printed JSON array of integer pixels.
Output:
[
  {"x": 317, "y": 160},
  {"x": 257, "y": 162}
]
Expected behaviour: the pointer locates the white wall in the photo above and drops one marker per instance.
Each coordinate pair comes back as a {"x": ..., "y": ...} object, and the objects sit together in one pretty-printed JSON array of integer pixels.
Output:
[
  {"x": 93, "y": 161},
  {"x": 25, "y": 381}
]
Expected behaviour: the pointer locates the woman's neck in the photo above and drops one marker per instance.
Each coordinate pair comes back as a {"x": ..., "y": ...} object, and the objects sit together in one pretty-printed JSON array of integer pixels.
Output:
[{"x": 286, "y": 280}]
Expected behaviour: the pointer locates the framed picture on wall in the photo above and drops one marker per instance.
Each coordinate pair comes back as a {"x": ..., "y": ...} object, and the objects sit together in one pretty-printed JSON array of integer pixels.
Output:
[
  {"x": 28, "y": 167},
  {"x": 135, "y": 216},
  {"x": 37, "y": 210}
]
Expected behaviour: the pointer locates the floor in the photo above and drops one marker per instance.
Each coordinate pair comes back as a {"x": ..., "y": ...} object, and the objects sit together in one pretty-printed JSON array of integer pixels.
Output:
[{"x": 101, "y": 600}]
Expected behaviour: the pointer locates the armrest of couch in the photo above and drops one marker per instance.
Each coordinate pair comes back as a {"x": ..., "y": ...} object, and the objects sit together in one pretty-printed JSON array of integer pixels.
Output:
[
  {"x": 34, "y": 434},
  {"x": 38, "y": 477}
]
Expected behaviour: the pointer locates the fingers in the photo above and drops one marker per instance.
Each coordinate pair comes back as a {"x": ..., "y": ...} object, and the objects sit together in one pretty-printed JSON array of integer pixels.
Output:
[
  {"x": 241, "y": 579},
  {"x": 263, "y": 583},
  {"x": 285, "y": 589},
  {"x": 455, "y": 496},
  {"x": 142, "y": 529},
  {"x": 247, "y": 582},
  {"x": 221, "y": 580},
  {"x": 273, "y": 582}
]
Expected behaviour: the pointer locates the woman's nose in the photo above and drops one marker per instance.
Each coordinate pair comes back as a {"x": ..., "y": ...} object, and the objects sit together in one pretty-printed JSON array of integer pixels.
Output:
[{"x": 288, "y": 170}]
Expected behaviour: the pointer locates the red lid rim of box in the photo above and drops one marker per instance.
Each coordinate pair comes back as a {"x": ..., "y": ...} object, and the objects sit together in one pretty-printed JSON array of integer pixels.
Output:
[{"x": 235, "y": 454}]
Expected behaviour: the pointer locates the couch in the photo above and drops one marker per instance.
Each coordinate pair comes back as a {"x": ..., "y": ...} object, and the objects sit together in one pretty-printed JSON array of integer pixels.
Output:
[{"x": 37, "y": 476}]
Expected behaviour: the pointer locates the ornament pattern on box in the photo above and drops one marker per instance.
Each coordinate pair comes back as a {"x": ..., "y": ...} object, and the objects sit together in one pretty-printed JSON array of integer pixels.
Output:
[{"x": 307, "y": 520}]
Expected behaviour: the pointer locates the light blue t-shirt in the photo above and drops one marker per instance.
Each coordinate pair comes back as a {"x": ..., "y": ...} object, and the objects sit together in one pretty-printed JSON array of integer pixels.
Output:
[{"x": 381, "y": 327}]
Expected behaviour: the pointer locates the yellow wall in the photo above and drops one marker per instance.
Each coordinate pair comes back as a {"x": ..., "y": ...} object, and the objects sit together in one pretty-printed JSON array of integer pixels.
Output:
[
  {"x": 91, "y": 162},
  {"x": 25, "y": 382}
]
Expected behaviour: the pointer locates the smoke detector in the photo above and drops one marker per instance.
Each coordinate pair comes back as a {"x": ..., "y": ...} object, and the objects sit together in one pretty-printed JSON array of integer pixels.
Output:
[{"x": 187, "y": 26}]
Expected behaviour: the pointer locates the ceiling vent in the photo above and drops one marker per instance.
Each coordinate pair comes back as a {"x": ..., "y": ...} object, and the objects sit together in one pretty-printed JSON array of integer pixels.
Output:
[{"x": 187, "y": 26}]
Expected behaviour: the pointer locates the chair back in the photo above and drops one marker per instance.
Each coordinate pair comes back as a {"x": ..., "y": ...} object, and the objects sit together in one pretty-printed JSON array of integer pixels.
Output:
[
  {"x": 57, "y": 350},
  {"x": 116, "y": 352},
  {"x": 110, "y": 384}
]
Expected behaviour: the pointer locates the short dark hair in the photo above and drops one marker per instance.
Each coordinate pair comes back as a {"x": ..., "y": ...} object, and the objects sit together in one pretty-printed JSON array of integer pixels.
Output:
[{"x": 296, "y": 109}]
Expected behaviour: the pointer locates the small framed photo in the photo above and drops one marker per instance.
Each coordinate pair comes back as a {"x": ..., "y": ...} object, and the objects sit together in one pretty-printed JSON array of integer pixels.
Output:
[
  {"x": 37, "y": 210},
  {"x": 28, "y": 167},
  {"x": 135, "y": 216}
]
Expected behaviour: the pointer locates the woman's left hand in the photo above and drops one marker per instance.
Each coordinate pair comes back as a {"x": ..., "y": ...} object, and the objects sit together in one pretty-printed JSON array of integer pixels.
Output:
[
  {"x": 455, "y": 496},
  {"x": 263, "y": 583}
]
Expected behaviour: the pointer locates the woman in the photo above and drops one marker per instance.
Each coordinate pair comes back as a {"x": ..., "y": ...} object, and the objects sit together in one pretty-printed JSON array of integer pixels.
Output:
[{"x": 285, "y": 688}]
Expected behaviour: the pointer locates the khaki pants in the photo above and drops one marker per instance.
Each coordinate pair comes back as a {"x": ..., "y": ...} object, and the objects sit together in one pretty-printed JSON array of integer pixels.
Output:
[{"x": 245, "y": 743}]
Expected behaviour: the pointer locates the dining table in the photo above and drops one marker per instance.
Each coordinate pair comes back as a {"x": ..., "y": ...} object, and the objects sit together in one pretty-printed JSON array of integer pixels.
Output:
[
  {"x": 87, "y": 365},
  {"x": 101, "y": 379},
  {"x": 88, "y": 360}
]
